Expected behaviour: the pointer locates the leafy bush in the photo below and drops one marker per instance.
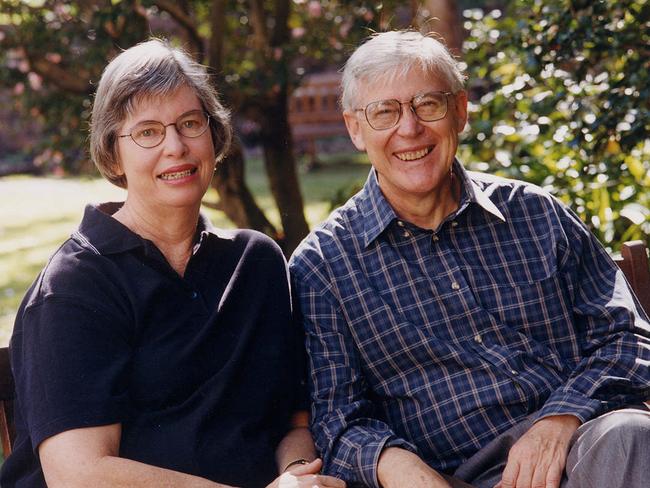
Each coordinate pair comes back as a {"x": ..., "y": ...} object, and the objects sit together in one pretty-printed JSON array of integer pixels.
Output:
[{"x": 562, "y": 99}]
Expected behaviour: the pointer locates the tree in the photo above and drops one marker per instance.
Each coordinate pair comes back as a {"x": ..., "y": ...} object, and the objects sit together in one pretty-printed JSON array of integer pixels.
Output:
[
  {"x": 561, "y": 97},
  {"x": 258, "y": 49}
]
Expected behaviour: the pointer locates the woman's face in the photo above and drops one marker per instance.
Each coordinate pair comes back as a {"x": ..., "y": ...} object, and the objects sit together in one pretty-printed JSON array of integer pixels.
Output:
[{"x": 176, "y": 172}]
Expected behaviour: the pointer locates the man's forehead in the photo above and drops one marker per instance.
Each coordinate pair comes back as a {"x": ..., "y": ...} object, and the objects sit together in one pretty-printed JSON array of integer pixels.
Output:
[{"x": 399, "y": 84}]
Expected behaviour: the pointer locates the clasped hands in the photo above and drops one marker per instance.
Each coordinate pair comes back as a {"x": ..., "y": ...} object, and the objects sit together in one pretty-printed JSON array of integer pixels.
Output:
[{"x": 306, "y": 476}]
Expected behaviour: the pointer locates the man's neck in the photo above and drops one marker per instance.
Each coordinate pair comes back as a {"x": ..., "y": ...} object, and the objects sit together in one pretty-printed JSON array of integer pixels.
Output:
[{"x": 430, "y": 210}]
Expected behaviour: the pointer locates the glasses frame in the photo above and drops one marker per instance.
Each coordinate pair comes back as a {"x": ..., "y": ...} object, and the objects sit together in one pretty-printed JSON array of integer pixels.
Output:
[
  {"x": 175, "y": 124},
  {"x": 411, "y": 106}
]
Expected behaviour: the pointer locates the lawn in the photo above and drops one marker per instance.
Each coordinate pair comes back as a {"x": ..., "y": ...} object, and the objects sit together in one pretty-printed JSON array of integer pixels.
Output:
[{"x": 38, "y": 213}]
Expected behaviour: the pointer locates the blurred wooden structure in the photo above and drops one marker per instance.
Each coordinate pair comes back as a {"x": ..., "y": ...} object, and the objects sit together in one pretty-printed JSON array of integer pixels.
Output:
[{"x": 314, "y": 111}]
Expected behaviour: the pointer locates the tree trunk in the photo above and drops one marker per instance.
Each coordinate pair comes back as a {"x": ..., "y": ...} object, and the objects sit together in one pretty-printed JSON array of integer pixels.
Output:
[
  {"x": 444, "y": 19},
  {"x": 280, "y": 165},
  {"x": 236, "y": 201}
]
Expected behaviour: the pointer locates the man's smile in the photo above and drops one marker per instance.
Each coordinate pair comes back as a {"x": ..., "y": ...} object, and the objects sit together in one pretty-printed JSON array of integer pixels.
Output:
[{"x": 413, "y": 155}]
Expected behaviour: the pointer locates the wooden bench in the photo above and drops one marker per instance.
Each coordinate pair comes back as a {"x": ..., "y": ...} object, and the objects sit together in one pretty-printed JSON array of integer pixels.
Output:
[
  {"x": 314, "y": 111},
  {"x": 633, "y": 261}
]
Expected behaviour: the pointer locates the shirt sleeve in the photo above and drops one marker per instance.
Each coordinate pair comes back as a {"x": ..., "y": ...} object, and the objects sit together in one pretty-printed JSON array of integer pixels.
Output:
[
  {"x": 69, "y": 361},
  {"x": 347, "y": 426},
  {"x": 614, "y": 370}
]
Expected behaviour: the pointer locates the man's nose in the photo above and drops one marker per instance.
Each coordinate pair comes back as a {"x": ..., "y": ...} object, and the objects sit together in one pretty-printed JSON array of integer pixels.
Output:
[{"x": 409, "y": 123}]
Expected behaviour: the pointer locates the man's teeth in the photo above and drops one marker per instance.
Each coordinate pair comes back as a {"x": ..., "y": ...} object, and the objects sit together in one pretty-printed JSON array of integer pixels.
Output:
[
  {"x": 177, "y": 175},
  {"x": 412, "y": 155}
]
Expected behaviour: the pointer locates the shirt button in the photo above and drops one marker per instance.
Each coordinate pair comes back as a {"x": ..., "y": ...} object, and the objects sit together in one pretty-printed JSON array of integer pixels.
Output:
[
  {"x": 195, "y": 295},
  {"x": 514, "y": 372},
  {"x": 400, "y": 223},
  {"x": 478, "y": 339},
  {"x": 435, "y": 238},
  {"x": 454, "y": 224},
  {"x": 406, "y": 233},
  {"x": 455, "y": 286}
]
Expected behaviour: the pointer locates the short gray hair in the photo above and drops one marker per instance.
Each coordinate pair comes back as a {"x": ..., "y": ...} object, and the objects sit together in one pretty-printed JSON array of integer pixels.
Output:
[
  {"x": 149, "y": 69},
  {"x": 391, "y": 54}
]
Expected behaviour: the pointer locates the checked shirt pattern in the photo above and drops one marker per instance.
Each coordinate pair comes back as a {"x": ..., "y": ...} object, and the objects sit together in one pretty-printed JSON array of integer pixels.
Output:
[{"x": 437, "y": 341}]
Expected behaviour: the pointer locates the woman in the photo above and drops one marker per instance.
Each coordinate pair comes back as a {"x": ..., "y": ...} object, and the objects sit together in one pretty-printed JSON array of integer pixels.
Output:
[{"x": 153, "y": 349}]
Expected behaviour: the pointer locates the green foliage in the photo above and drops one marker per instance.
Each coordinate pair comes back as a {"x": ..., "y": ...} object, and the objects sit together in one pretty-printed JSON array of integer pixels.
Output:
[
  {"x": 52, "y": 54},
  {"x": 562, "y": 99}
]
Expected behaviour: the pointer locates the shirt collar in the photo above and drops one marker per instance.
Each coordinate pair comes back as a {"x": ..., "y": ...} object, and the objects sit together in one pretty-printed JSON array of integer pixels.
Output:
[
  {"x": 103, "y": 234},
  {"x": 378, "y": 214}
]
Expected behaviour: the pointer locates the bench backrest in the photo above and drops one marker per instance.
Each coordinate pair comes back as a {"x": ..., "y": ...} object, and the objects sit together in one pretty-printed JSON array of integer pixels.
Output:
[{"x": 633, "y": 262}]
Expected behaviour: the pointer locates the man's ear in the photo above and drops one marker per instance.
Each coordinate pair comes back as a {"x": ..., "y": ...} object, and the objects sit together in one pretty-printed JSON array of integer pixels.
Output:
[
  {"x": 354, "y": 129},
  {"x": 461, "y": 109}
]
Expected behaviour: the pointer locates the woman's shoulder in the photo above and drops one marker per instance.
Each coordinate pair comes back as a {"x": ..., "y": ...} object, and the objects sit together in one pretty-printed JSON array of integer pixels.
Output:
[{"x": 249, "y": 240}]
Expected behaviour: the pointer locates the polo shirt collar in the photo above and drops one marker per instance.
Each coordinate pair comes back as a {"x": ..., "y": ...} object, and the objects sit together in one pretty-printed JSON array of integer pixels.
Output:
[
  {"x": 378, "y": 214},
  {"x": 103, "y": 234}
]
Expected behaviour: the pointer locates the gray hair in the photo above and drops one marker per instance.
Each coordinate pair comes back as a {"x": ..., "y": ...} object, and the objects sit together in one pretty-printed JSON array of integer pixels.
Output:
[
  {"x": 388, "y": 55},
  {"x": 152, "y": 69}
]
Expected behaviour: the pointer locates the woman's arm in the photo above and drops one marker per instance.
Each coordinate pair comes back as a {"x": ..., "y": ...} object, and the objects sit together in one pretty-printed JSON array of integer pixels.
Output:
[
  {"x": 297, "y": 461},
  {"x": 89, "y": 457},
  {"x": 297, "y": 444}
]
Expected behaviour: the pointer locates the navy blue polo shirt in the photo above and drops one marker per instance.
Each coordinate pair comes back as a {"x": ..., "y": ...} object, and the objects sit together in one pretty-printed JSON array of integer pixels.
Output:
[{"x": 202, "y": 371}]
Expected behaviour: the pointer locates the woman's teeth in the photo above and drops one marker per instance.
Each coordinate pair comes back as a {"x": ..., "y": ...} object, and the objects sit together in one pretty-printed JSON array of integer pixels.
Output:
[{"x": 178, "y": 175}]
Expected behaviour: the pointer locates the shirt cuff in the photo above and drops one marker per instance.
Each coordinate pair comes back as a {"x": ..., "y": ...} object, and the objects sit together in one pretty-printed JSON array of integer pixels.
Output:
[
  {"x": 368, "y": 457},
  {"x": 566, "y": 403}
]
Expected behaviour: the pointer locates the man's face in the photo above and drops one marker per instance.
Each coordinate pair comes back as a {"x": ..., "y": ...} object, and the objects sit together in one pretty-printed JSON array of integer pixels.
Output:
[{"x": 413, "y": 159}]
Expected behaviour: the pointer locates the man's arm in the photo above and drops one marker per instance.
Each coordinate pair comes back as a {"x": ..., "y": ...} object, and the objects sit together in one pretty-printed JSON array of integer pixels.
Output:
[
  {"x": 346, "y": 426},
  {"x": 613, "y": 371},
  {"x": 398, "y": 468}
]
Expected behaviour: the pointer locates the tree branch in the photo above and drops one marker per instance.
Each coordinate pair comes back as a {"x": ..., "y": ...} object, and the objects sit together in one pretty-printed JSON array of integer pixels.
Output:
[
  {"x": 216, "y": 42},
  {"x": 185, "y": 20},
  {"x": 281, "y": 31},
  {"x": 75, "y": 82},
  {"x": 258, "y": 22}
]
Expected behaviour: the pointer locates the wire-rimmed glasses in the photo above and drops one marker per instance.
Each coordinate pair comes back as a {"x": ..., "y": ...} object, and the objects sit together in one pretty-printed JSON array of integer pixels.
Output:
[
  {"x": 151, "y": 133},
  {"x": 385, "y": 114}
]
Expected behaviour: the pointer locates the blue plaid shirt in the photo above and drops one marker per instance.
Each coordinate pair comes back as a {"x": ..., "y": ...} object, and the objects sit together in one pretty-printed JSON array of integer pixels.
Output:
[{"x": 438, "y": 341}]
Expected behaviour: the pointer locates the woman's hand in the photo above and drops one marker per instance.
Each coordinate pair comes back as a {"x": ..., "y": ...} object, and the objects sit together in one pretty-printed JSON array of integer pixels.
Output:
[{"x": 306, "y": 476}]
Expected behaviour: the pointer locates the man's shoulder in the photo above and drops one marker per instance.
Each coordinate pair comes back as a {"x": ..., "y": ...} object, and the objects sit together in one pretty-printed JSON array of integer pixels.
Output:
[
  {"x": 508, "y": 193},
  {"x": 338, "y": 235}
]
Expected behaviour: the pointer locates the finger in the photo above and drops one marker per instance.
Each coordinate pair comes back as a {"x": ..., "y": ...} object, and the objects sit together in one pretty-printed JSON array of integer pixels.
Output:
[
  {"x": 525, "y": 476},
  {"x": 509, "y": 475},
  {"x": 554, "y": 476},
  {"x": 311, "y": 468}
]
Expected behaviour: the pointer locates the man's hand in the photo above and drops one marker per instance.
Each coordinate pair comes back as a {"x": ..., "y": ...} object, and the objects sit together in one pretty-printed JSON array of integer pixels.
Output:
[
  {"x": 398, "y": 468},
  {"x": 538, "y": 458},
  {"x": 306, "y": 476}
]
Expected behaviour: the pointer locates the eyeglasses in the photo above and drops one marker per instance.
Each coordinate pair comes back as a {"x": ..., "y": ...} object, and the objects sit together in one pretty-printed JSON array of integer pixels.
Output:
[
  {"x": 428, "y": 107},
  {"x": 151, "y": 133}
]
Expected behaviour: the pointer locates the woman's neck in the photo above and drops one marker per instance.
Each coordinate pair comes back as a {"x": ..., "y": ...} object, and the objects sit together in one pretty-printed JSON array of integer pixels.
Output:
[{"x": 172, "y": 232}]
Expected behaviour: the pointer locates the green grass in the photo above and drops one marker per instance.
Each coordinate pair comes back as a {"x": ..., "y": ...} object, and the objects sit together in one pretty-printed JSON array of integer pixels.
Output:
[{"x": 37, "y": 214}]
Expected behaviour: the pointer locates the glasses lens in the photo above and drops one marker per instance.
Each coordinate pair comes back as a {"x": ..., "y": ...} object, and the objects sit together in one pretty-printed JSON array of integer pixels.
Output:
[
  {"x": 383, "y": 114},
  {"x": 148, "y": 134},
  {"x": 430, "y": 106},
  {"x": 192, "y": 124}
]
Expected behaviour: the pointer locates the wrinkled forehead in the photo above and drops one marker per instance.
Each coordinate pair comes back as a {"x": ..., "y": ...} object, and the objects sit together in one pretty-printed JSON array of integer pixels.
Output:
[{"x": 399, "y": 84}]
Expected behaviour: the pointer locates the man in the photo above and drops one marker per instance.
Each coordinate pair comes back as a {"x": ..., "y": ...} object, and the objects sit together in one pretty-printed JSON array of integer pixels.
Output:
[{"x": 462, "y": 327}]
